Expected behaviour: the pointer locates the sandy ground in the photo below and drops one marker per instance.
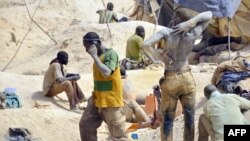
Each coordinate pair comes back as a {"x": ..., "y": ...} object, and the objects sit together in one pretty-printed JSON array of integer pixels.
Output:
[
  {"x": 66, "y": 21},
  {"x": 49, "y": 123}
]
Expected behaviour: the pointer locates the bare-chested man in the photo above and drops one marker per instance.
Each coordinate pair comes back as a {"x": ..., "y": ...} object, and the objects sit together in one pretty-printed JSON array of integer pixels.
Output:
[
  {"x": 133, "y": 111},
  {"x": 178, "y": 80}
]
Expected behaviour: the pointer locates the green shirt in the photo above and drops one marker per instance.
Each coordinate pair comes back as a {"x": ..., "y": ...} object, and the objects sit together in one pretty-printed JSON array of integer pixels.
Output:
[
  {"x": 111, "y": 59},
  {"x": 225, "y": 109},
  {"x": 133, "y": 50},
  {"x": 106, "y": 16}
]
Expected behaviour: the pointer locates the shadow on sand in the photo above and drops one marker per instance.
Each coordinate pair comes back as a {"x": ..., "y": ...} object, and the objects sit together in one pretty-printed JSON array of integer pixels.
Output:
[{"x": 56, "y": 100}]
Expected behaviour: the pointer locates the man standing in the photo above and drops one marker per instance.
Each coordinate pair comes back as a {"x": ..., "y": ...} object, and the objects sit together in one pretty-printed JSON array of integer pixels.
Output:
[
  {"x": 56, "y": 81},
  {"x": 107, "y": 101},
  {"x": 143, "y": 11},
  {"x": 178, "y": 82},
  {"x": 220, "y": 110},
  {"x": 134, "y": 43},
  {"x": 107, "y": 15}
]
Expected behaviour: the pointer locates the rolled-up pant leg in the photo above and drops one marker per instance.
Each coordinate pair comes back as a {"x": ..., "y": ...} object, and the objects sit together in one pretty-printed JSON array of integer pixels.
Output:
[
  {"x": 78, "y": 94},
  {"x": 115, "y": 119},
  {"x": 89, "y": 122},
  {"x": 61, "y": 87}
]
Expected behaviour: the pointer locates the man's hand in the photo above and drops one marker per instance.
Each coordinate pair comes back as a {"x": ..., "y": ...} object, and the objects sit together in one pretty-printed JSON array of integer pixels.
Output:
[
  {"x": 72, "y": 74},
  {"x": 182, "y": 27},
  {"x": 92, "y": 50},
  {"x": 72, "y": 77},
  {"x": 75, "y": 78}
]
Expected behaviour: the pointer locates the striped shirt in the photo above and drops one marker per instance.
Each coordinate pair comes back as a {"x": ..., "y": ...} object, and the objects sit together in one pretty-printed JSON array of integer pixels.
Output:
[{"x": 107, "y": 16}]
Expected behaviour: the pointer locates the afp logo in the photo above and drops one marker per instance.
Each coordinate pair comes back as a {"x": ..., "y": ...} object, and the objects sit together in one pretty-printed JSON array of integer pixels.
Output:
[{"x": 236, "y": 132}]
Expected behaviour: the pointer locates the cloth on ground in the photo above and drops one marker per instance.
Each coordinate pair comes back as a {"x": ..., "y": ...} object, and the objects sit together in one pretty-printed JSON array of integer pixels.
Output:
[
  {"x": 11, "y": 99},
  {"x": 21, "y": 134},
  {"x": 235, "y": 65},
  {"x": 229, "y": 81},
  {"x": 229, "y": 77},
  {"x": 245, "y": 94}
]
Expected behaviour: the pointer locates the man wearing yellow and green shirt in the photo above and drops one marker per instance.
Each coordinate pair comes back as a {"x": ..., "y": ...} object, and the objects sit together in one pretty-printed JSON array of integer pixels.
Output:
[
  {"x": 220, "y": 110},
  {"x": 107, "y": 100},
  {"x": 134, "y": 43}
]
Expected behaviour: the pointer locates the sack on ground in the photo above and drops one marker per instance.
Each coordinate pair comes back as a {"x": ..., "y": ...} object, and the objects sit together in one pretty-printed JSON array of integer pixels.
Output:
[
  {"x": 129, "y": 64},
  {"x": 11, "y": 99}
]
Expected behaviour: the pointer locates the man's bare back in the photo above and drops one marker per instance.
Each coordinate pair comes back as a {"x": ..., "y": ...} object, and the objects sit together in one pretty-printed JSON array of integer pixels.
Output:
[
  {"x": 179, "y": 42},
  {"x": 128, "y": 90}
]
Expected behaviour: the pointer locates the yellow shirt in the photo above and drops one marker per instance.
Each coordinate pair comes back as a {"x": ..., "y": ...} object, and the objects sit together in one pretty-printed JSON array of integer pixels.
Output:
[
  {"x": 133, "y": 49},
  {"x": 108, "y": 90}
]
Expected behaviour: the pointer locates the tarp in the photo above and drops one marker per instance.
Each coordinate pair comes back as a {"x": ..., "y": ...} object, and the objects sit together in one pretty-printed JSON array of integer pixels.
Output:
[
  {"x": 219, "y": 8},
  {"x": 239, "y": 23}
]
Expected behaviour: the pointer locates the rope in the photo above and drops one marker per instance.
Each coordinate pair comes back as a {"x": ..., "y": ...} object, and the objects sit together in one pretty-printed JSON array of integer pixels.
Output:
[
  {"x": 156, "y": 20},
  {"x": 158, "y": 14},
  {"x": 229, "y": 45},
  {"x": 20, "y": 45},
  {"x": 37, "y": 23}
]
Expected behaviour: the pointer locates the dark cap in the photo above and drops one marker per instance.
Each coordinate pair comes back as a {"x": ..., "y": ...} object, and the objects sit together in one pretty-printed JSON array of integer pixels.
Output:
[
  {"x": 91, "y": 36},
  {"x": 110, "y": 6},
  {"x": 209, "y": 89},
  {"x": 62, "y": 56},
  {"x": 139, "y": 29}
]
